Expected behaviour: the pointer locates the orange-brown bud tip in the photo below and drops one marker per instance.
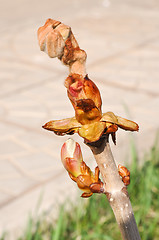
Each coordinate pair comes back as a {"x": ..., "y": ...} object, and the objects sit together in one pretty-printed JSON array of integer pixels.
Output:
[
  {"x": 97, "y": 187},
  {"x": 45, "y": 126}
]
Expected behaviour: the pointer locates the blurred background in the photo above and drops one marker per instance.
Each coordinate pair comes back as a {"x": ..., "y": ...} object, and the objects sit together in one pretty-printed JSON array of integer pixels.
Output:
[{"x": 121, "y": 39}]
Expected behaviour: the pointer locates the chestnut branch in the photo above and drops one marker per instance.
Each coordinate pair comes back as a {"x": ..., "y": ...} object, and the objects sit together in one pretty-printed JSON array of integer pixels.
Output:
[
  {"x": 115, "y": 189},
  {"x": 57, "y": 40}
]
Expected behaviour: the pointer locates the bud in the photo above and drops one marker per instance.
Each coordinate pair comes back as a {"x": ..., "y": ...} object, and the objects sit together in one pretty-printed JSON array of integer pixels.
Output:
[
  {"x": 79, "y": 172},
  {"x": 52, "y": 37},
  {"x": 71, "y": 157},
  {"x": 57, "y": 40},
  {"x": 125, "y": 174},
  {"x": 85, "y": 98}
]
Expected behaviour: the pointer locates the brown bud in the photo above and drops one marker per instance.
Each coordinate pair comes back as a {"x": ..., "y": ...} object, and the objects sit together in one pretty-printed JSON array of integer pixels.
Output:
[
  {"x": 125, "y": 174},
  {"x": 97, "y": 187}
]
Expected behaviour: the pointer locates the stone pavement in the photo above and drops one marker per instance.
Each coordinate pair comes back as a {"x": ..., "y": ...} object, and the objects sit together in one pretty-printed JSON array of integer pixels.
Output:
[{"x": 121, "y": 39}]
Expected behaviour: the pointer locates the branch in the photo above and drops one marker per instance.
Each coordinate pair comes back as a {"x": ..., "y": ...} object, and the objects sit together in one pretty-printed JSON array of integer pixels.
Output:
[
  {"x": 116, "y": 191},
  {"x": 57, "y": 40}
]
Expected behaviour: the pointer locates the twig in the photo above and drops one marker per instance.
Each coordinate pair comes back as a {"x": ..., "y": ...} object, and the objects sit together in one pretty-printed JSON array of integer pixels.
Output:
[
  {"x": 57, "y": 40},
  {"x": 116, "y": 191}
]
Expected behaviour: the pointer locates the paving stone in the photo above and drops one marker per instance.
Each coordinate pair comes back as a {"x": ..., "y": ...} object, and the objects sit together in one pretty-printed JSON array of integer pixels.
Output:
[
  {"x": 8, "y": 131},
  {"x": 35, "y": 140},
  {"x": 129, "y": 71},
  {"x": 45, "y": 195},
  {"x": 121, "y": 40},
  {"x": 114, "y": 41},
  {"x": 39, "y": 163},
  {"x": 3, "y": 196},
  {"x": 9, "y": 147},
  {"x": 15, "y": 186}
]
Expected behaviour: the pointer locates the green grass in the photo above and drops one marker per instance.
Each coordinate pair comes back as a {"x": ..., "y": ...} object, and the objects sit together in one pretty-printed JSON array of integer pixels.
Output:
[{"x": 93, "y": 219}]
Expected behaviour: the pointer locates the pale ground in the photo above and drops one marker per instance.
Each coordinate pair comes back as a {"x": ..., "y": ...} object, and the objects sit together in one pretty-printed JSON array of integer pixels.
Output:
[{"x": 121, "y": 39}]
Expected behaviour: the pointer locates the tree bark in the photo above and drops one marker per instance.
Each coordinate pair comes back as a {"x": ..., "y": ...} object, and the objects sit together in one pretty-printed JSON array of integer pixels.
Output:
[{"x": 115, "y": 189}]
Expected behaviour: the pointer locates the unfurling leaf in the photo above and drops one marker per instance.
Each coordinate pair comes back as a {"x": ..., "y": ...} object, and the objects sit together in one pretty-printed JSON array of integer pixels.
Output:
[{"x": 64, "y": 126}]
